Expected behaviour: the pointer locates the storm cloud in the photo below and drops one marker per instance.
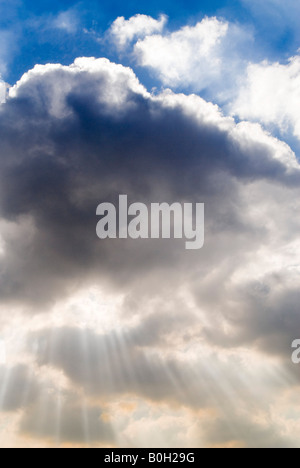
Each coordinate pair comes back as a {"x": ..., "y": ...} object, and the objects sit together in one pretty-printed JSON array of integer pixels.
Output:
[
  {"x": 73, "y": 137},
  {"x": 76, "y": 136}
]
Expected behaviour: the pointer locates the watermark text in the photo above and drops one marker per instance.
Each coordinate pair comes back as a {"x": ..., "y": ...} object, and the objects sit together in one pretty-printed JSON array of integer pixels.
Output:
[{"x": 160, "y": 221}]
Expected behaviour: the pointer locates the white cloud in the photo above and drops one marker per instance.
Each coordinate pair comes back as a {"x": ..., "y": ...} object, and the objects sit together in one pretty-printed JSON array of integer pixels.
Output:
[
  {"x": 186, "y": 56},
  {"x": 123, "y": 82},
  {"x": 271, "y": 95},
  {"x": 123, "y": 31},
  {"x": 217, "y": 57},
  {"x": 210, "y": 55}
]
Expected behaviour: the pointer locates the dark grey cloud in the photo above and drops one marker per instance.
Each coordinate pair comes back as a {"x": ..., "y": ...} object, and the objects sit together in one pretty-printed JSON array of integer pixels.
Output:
[
  {"x": 264, "y": 314},
  {"x": 74, "y": 137}
]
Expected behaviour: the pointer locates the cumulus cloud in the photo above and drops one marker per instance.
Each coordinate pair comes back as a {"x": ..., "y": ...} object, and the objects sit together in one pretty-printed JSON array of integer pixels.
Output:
[
  {"x": 73, "y": 137},
  {"x": 210, "y": 56},
  {"x": 123, "y": 31},
  {"x": 219, "y": 59},
  {"x": 101, "y": 112},
  {"x": 271, "y": 95},
  {"x": 192, "y": 48}
]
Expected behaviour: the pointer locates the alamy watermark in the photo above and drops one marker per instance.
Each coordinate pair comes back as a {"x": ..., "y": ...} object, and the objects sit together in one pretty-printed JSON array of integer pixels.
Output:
[
  {"x": 160, "y": 221},
  {"x": 296, "y": 353}
]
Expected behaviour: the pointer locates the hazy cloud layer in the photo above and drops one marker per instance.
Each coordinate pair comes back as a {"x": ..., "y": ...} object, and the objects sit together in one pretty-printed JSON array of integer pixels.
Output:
[
  {"x": 238, "y": 431},
  {"x": 116, "y": 364},
  {"x": 66, "y": 420},
  {"x": 19, "y": 387}
]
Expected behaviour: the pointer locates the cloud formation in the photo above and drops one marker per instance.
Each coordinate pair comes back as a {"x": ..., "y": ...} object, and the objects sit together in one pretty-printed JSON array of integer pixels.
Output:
[
  {"x": 63, "y": 420},
  {"x": 19, "y": 387},
  {"x": 99, "y": 133},
  {"x": 192, "y": 48},
  {"x": 209, "y": 57},
  {"x": 123, "y": 31},
  {"x": 219, "y": 59},
  {"x": 75, "y": 136},
  {"x": 271, "y": 95}
]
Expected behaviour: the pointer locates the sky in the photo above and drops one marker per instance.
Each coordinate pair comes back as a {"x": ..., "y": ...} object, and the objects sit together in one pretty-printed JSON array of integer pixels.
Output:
[{"x": 141, "y": 343}]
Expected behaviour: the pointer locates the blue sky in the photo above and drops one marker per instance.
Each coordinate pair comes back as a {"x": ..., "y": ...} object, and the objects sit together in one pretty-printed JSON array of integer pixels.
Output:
[{"x": 30, "y": 41}]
